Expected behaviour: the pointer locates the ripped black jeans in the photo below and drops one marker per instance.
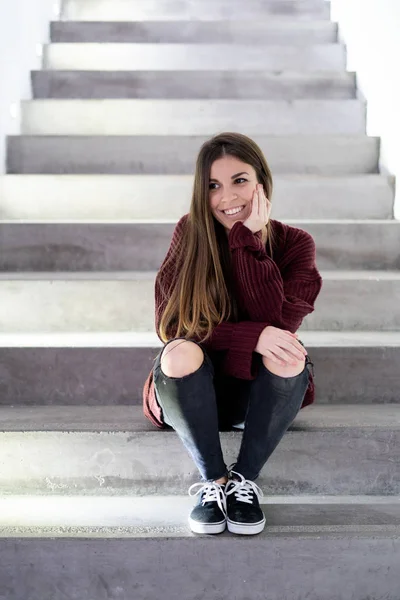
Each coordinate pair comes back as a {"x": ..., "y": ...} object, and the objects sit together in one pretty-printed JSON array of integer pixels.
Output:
[{"x": 201, "y": 404}]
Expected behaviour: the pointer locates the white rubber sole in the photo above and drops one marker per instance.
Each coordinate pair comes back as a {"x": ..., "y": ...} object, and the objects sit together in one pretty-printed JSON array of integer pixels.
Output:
[
  {"x": 197, "y": 527},
  {"x": 244, "y": 529}
]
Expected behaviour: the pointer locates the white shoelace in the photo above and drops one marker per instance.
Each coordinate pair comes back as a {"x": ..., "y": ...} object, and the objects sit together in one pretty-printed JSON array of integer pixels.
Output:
[
  {"x": 243, "y": 489},
  {"x": 213, "y": 492}
]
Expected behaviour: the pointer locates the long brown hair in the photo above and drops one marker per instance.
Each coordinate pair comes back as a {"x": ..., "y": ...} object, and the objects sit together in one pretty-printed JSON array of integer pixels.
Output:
[{"x": 204, "y": 296}]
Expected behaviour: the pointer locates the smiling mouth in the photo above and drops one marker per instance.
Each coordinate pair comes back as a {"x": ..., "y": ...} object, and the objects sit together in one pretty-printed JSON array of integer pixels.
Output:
[{"x": 235, "y": 213}]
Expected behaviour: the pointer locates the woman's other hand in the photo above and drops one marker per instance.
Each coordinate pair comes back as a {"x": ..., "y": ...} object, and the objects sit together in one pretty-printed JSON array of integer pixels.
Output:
[{"x": 279, "y": 345}]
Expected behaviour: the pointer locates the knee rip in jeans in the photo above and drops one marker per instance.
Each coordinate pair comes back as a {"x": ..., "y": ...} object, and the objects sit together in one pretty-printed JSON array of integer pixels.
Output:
[
  {"x": 308, "y": 368},
  {"x": 188, "y": 374},
  {"x": 284, "y": 377}
]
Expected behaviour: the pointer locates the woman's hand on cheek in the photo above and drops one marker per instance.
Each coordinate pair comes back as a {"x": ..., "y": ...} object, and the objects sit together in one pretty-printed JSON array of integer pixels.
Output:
[{"x": 260, "y": 210}]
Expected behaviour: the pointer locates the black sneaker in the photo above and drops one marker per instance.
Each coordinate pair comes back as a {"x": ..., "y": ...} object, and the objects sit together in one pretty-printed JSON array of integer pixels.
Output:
[
  {"x": 244, "y": 514},
  {"x": 209, "y": 514}
]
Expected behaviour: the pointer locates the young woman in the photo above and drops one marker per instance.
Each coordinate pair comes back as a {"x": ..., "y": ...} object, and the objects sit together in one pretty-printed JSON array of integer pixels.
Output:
[{"x": 230, "y": 295}]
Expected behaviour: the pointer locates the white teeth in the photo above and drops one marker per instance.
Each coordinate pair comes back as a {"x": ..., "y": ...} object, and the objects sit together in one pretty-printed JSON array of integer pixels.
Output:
[{"x": 233, "y": 211}]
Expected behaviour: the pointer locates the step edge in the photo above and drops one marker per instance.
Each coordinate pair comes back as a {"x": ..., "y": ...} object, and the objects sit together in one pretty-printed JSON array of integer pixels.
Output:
[
  {"x": 300, "y": 532},
  {"x": 150, "y": 340}
]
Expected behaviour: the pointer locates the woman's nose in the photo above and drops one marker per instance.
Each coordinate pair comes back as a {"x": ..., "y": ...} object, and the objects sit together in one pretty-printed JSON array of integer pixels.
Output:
[{"x": 229, "y": 196}]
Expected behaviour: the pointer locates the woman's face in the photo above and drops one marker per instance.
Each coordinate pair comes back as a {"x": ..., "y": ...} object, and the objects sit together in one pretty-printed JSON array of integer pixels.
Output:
[{"x": 232, "y": 183}]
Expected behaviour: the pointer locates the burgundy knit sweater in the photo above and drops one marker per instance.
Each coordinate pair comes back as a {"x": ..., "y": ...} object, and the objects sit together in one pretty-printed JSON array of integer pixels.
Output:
[{"x": 278, "y": 292}]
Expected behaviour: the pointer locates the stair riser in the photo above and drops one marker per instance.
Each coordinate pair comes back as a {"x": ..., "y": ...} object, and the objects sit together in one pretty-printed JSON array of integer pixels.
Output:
[
  {"x": 149, "y": 569},
  {"x": 191, "y": 84},
  {"x": 202, "y": 57},
  {"x": 304, "y": 462},
  {"x": 111, "y": 198},
  {"x": 182, "y": 117},
  {"x": 353, "y": 305},
  {"x": 34, "y": 306},
  {"x": 105, "y": 247},
  {"x": 157, "y": 10},
  {"x": 233, "y": 32},
  {"x": 319, "y": 155},
  {"x": 104, "y": 376}
]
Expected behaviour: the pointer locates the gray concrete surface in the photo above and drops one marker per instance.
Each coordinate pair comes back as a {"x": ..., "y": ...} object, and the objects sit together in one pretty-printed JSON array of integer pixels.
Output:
[
  {"x": 128, "y": 304},
  {"x": 202, "y": 57},
  {"x": 192, "y": 117},
  {"x": 317, "y": 155},
  {"x": 124, "y": 246},
  {"x": 271, "y": 30},
  {"x": 154, "y": 10},
  {"x": 113, "y": 198},
  {"x": 245, "y": 85},
  {"x": 348, "y": 567},
  {"x": 316, "y": 417},
  {"x": 309, "y": 460},
  {"x": 159, "y": 516},
  {"x": 101, "y": 375}
]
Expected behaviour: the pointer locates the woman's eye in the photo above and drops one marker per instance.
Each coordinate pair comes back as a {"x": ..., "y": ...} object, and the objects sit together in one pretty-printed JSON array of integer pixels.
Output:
[{"x": 214, "y": 186}]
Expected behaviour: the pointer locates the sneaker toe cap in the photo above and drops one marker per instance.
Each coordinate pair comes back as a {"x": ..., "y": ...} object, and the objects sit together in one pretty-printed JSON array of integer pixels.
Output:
[
  {"x": 248, "y": 515},
  {"x": 207, "y": 514}
]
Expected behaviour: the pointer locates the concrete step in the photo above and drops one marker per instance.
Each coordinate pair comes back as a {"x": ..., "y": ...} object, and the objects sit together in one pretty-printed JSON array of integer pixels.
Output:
[
  {"x": 202, "y": 57},
  {"x": 144, "y": 516},
  {"x": 105, "y": 198},
  {"x": 316, "y": 155},
  {"x": 124, "y": 246},
  {"x": 271, "y": 30},
  {"x": 95, "y": 368},
  {"x": 207, "y": 10},
  {"x": 158, "y": 557},
  {"x": 98, "y": 452},
  {"x": 101, "y": 419},
  {"x": 68, "y": 305},
  {"x": 192, "y": 117},
  {"x": 245, "y": 85}
]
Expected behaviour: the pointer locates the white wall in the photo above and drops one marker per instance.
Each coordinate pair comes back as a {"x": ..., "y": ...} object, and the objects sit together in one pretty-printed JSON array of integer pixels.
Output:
[
  {"x": 371, "y": 31},
  {"x": 24, "y": 27}
]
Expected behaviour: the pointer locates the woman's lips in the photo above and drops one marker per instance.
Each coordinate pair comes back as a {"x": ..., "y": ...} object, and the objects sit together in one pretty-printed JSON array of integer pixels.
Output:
[{"x": 237, "y": 214}]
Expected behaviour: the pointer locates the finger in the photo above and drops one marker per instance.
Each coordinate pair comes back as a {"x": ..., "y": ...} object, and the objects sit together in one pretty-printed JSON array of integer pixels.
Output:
[
  {"x": 253, "y": 204},
  {"x": 261, "y": 204},
  {"x": 287, "y": 331},
  {"x": 269, "y": 208},
  {"x": 285, "y": 356},
  {"x": 275, "y": 359},
  {"x": 256, "y": 204},
  {"x": 266, "y": 207},
  {"x": 293, "y": 342},
  {"x": 293, "y": 349},
  {"x": 260, "y": 199}
]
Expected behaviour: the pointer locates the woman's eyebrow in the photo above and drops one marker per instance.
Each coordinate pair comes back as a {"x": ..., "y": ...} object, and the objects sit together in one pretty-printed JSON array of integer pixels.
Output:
[
  {"x": 233, "y": 176},
  {"x": 237, "y": 174}
]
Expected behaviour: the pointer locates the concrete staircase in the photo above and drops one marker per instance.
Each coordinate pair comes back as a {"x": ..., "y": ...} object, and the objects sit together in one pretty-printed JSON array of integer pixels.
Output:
[{"x": 93, "y": 499}]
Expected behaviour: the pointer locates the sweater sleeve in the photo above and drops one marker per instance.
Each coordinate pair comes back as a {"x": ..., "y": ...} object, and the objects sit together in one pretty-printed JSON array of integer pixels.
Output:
[{"x": 282, "y": 297}]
